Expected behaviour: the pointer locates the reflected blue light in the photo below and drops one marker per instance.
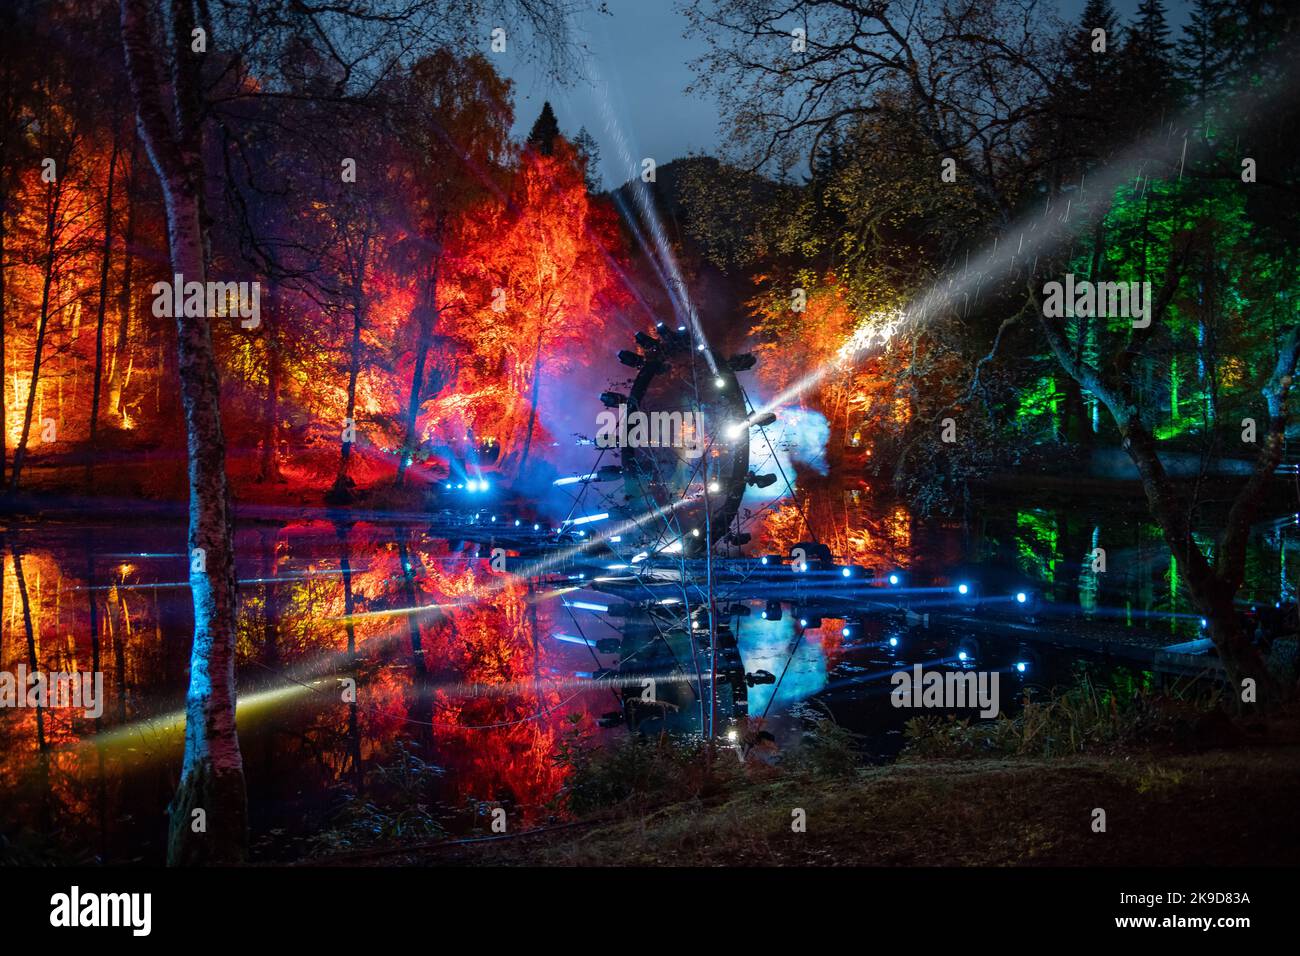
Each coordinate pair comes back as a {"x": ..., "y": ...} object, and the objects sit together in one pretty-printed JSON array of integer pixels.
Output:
[{"x": 587, "y": 606}]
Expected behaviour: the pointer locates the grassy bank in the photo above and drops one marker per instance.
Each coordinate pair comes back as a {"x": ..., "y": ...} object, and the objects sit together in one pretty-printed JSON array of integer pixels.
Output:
[
  {"x": 1180, "y": 778},
  {"x": 1231, "y": 807}
]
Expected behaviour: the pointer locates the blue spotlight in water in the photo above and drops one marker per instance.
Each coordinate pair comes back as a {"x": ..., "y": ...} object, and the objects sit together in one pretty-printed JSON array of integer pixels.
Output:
[
  {"x": 846, "y": 572},
  {"x": 1021, "y": 666},
  {"x": 963, "y": 588},
  {"x": 893, "y": 579},
  {"x": 846, "y": 631},
  {"x": 893, "y": 642},
  {"x": 961, "y": 655},
  {"x": 1021, "y": 597}
]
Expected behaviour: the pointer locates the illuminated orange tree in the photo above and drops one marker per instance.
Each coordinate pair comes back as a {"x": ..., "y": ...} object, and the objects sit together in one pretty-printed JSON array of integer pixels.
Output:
[{"x": 543, "y": 284}]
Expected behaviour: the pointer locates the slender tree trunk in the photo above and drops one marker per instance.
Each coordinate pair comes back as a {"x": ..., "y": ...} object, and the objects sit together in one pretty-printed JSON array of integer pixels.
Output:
[
  {"x": 409, "y": 442},
  {"x": 270, "y": 600},
  {"x": 116, "y": 373},
  {"x": 51, "y": 234},
  {"x": 270, "y": 466},
  {"x": 212, "y": 778},
  {"x": 106, "y": 257},
  {"x": 343, "y": 529},
  {"x": 341, "y": 493},
  {"x": 209, "y": 810},
  {"x": 93, "y": 601},
  {"x": 408, "y": 590},
  {"x": 32, "y": 660},
  {"x": 532, "y": 407}
]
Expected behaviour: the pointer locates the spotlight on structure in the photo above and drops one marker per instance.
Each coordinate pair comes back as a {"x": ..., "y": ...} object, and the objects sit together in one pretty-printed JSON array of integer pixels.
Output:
[
  {"x": 895, "y": 580},
  {"x": 968, "y": 650},
  {"x": 608, "y": 645},
  {"x": 631, "y": 359},
  {"x": 760, "y": 481},
  {"x": 646, "y": 341},
  {"x": 739, "y": 538},
  {"x": 742, "y": 362},
  {"x": 612, "y": 399},
  {"x": 609, "y": 473},
  {"x": 771, "y": 560},
  {"x": 762, "y": 421},
  {"x": 772, "y": 611},
  {"x": 760, "y": 677},
  {"x": 809, "y": 620}
]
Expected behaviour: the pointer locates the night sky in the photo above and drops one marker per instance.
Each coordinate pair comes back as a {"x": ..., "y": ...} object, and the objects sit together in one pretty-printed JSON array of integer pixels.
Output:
[{"x": 640, "y": 57}]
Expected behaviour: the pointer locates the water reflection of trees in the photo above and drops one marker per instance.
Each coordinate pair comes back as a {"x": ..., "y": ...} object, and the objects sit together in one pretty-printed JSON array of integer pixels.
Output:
[{"x": 318, "y": 603}]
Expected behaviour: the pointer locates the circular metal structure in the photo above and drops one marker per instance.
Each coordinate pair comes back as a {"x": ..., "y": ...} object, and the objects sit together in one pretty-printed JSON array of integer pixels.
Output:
[{"x": 685, "y": 493}]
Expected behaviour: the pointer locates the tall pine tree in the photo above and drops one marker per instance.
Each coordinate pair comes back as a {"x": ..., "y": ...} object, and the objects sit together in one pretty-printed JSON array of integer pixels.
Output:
[{"x": 542, "y": 136}]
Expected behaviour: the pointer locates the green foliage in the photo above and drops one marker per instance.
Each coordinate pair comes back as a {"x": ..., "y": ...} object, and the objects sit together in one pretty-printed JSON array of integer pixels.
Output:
[
  {"x": 828, "y": 750},
  {"x": 638, "y": 771},
  {"x": 394, "y": 804}
]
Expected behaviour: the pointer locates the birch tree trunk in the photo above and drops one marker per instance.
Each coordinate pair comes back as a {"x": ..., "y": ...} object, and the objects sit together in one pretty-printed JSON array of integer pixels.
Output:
[{"x": 209, "y": 810}]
